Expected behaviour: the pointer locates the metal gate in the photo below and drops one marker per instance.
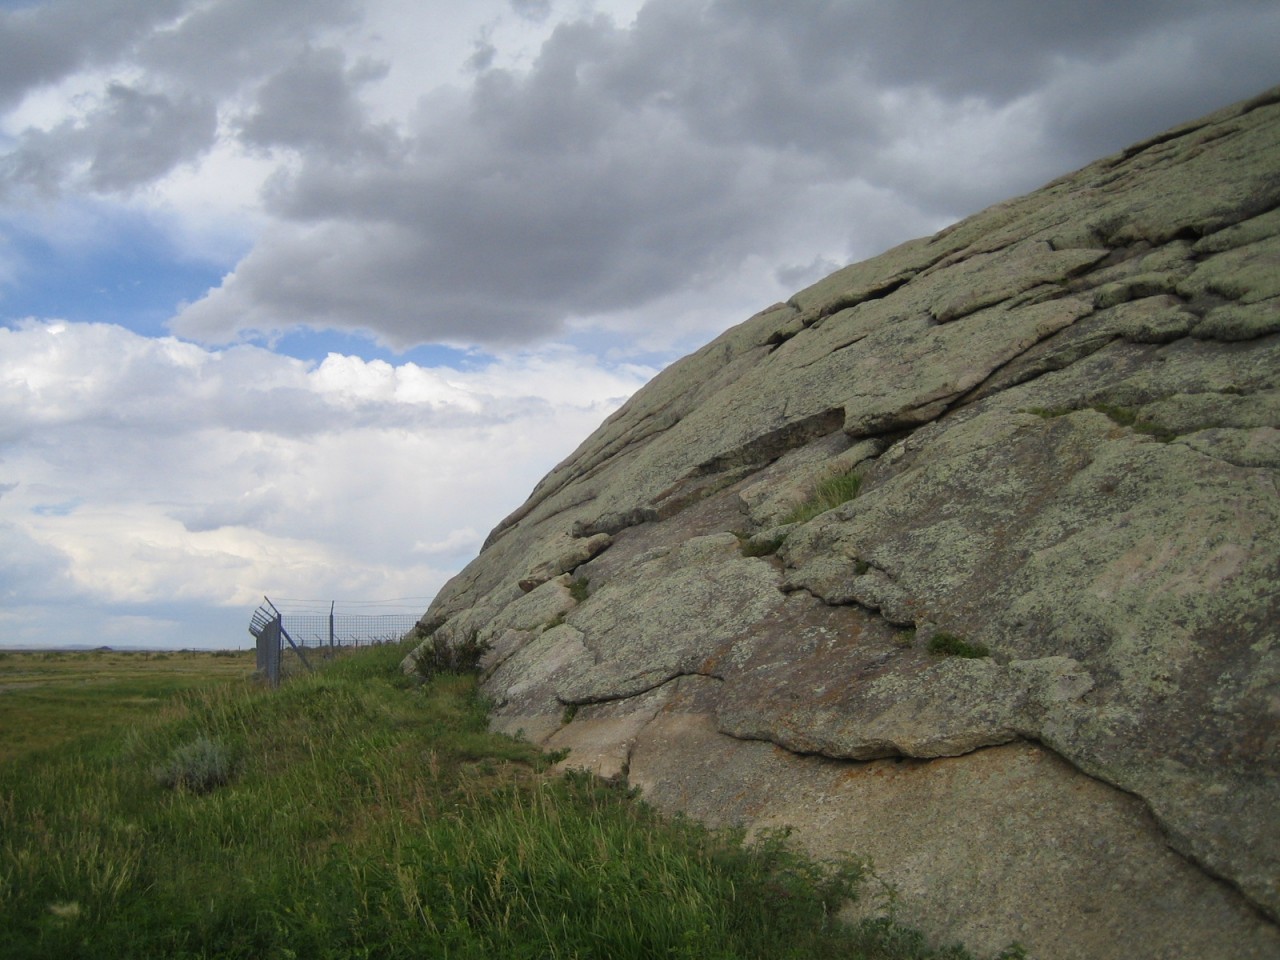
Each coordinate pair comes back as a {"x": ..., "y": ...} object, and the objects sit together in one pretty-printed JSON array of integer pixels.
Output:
[{"x": 267, "y": 628}]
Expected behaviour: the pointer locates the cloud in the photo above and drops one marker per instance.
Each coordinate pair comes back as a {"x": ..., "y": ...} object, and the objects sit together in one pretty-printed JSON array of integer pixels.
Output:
[
  {"x": 626, "y": 163},
  {"x": 141, "y": 470},
  {"x": 43, "y": 44},
  {"x": 463, "y": 539},
  {"x": 133, "y": 138},
  {"x": 116, "y": 134},
  {"x": 619, "y": 163},
  {"x": 312, "y": 104},
  {"x": 535, "y": 10}
]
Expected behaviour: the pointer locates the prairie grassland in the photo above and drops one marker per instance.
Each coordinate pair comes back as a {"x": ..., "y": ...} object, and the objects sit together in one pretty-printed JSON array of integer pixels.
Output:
[
  {"x": 354, "y": 813},
  {"x": 48, "y": 697}
]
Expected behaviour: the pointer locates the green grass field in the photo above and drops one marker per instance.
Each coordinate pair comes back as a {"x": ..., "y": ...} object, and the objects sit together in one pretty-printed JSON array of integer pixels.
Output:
[
  {"x": 187, "y": 812},
  {"x": 49, "y": 697}
]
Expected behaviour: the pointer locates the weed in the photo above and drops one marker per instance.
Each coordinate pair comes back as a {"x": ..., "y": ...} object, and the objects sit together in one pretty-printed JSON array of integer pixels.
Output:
[
  {"x": 570, "y": 711},
  {"x": 578, "y": 589},
  {"x": 198, "y": 766},
  {"x": 437, "y": 655},
  {"x": 763, "y": 547},
  {"x": 827, "y": 495},
  {"x": 950, "y": 645}
]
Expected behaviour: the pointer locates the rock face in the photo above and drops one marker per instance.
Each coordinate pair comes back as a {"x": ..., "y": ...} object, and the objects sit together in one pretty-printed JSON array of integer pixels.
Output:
[{"x": 1064, "y": 413}]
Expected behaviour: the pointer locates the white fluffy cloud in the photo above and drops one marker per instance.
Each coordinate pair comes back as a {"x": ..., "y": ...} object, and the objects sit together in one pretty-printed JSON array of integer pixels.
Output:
[{"x": 140, "y": 471}]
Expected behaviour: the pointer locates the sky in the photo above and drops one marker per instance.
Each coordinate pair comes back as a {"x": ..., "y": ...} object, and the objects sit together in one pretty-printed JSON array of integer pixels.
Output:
[{"x": 300, "y": 298}]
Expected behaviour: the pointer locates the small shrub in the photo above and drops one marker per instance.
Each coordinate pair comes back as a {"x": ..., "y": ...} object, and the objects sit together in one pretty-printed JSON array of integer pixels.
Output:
[
  {"x": 198, "y": 766},
  {"x": 570, "y": 711},
  {"x": 578, "y": 589},
  {"x": 765, "y": 547},
  {"x": 437, "y": 655},
  {"x": 827, "y": 495},
  {"x": 950, "y": 645}
]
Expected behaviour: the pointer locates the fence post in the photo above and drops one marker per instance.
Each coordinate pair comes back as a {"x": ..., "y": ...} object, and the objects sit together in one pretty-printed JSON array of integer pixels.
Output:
[
  {"x": 331, "y": 603},
  {"x": 270, "y": 646}
]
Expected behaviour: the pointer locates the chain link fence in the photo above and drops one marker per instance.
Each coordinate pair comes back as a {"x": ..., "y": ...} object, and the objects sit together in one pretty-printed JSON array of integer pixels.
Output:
[{"x": 291, "y": 634}]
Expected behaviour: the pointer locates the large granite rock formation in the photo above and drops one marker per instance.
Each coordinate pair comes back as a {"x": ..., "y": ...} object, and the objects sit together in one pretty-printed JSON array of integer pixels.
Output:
[{"x": 1064, "y": 413}]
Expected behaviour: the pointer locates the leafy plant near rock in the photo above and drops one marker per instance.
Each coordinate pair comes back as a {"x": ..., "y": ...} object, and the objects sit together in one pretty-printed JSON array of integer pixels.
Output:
[
  {"x": 439, "y": 656},
  {"x": 947, "y": 644},
  {"x": 827, "y": 495},
  {"x": 578, "y": 589},
  {"x": 761, "y": 546}
]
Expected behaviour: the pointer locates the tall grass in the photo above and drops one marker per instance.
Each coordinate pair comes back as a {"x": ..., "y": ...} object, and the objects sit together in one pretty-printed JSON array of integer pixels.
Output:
[
  {"x": 826, "y": 495},
  {"x": 355, "y": 815}
]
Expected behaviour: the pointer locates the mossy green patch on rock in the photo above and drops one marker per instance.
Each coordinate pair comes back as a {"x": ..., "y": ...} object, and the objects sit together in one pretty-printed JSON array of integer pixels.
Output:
[{"x": 949, "y": 645}]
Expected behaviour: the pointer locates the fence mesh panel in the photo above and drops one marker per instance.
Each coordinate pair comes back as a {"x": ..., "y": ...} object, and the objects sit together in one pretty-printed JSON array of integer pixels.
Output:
[{"x": 326, "y": 630}]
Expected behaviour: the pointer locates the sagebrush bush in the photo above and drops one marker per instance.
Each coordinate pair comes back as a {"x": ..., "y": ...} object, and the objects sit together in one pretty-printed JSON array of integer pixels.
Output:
[{"x": 198, "y": 766}]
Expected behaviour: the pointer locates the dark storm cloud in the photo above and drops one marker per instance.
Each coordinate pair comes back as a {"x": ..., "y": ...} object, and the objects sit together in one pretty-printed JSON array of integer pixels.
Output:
[
  {"x": 312, "y": 104},
  {"x": 607, "y": 174},
  {"x": 135, "y": 137},
  {"x": 43, "y": 44},
  {"x": 139, "y": 136},
  {"x": 996, "y": 49},
  {"x": 221, "y": 47},
  {"x": 626, "y": 163},
  {"x": 193, "y": 55}
]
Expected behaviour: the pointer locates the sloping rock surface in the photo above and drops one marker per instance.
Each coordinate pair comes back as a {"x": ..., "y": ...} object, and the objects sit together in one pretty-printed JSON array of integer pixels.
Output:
[{"x": 1064, "y": 413}]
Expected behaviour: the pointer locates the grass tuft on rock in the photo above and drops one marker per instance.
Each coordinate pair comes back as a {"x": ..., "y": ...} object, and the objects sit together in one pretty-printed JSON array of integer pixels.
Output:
[
  {"x": 827, "y": 495},
  {"x": 946, "y": 644}
]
